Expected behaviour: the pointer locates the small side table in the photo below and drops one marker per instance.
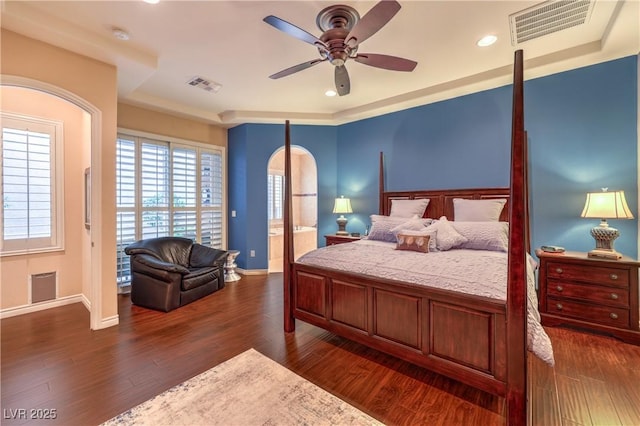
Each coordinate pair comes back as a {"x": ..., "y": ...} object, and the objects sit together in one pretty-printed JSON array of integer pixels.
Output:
[
  {"x": 333, "y": 239},
  {"x": 230, "y": 266}
]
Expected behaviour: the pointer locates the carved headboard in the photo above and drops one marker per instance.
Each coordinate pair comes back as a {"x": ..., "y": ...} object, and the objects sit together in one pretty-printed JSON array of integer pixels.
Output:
[{"x": 441, "y": 203}]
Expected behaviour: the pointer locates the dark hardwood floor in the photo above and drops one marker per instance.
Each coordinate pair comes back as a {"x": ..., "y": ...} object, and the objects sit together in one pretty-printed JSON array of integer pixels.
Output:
[{"x": 51, "y": 360}]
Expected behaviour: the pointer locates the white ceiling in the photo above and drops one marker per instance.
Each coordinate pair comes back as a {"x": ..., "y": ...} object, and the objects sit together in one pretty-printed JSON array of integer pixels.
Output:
[{"x": 227, "y": 42}]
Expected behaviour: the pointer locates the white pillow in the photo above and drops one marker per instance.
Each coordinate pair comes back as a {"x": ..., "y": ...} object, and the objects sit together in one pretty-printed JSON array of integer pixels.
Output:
[
  {"x": 408, "y": 208},
  {"x": 446, "y": 235},
  {"x": 413, "y": 224},
  {"x": 493, "y": 236},
  {"x": 381, "y": 227},
  {"x": 477, "y": 210}
]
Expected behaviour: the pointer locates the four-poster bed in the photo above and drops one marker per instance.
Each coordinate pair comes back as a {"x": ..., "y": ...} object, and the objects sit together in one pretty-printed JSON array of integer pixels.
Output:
[{"x": 477, "y": 340}]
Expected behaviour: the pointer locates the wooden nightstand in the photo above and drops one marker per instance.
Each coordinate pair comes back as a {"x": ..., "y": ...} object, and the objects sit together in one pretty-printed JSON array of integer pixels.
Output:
[
  {"x": 600, "y": 295},
  {"x": 339, "y": 239}
]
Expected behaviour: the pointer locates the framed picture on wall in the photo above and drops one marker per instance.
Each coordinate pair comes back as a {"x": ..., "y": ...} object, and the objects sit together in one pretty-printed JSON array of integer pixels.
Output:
[{"x": 87, "y": 198}]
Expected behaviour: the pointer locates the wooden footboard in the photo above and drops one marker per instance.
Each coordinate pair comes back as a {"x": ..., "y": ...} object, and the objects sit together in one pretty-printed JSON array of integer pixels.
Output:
[{"x": 460, "y": 336}]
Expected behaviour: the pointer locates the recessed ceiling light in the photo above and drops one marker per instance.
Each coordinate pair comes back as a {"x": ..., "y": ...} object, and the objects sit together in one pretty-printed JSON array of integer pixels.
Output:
[
  {"x": 330, "y": 93},
  {"x": 487, "y": 40},
  {"x": 151, "y": 1},
  {"x": 120, "y": 34}
]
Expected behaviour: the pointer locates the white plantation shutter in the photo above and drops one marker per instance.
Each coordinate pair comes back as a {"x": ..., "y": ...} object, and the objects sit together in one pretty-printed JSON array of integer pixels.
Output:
[
  {"x": 125, "y": 205},
  {"x": 163, "y": 181},
  {"x": 275, "y": 196},
  {"x": 211, "y": 190},
  {"x": 32, "y": 182}
]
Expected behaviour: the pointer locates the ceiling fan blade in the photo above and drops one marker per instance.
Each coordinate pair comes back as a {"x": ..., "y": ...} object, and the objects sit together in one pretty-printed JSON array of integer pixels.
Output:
[
  {"x": 294, "y": 31},
  {"x": 370, "y": 23},
  {"x": 343, "y": 84},
  {"x": 296, "y": 68},
  {"x": 387, "y": 62}
]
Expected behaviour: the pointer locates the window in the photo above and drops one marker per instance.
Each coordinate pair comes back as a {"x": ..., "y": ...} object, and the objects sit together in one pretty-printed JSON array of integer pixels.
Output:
[
  {"x": 167, "y": 188},
  {"x": 32, "y": 182},
  {"x": 275, "y": 196}
]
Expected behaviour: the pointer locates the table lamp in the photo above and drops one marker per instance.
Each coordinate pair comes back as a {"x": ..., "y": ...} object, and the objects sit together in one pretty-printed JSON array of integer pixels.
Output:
[
  {"x": 606, "y": 205},
  {"x": 341, "y": 206}
]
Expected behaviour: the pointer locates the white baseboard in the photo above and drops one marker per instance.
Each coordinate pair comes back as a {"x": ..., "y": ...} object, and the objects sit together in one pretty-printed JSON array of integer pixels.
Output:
[
  {"x": 86, "y": 302},
  {"x": 108, "y": 322},
  {"x": 252, "y": 271},
  {"x": 41, "y": 306}
]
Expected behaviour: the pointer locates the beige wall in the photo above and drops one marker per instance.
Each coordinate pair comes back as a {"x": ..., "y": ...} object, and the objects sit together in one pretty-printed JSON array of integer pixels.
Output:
[
  {"x": 16, "y": 270},
  {"x": 96, "y": 83},
  {"x": 144, "y": 120}
]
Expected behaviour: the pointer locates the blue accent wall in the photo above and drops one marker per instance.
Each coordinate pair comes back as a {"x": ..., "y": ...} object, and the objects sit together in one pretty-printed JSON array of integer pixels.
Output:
[
  {"x": 250, "y": 148},
  {"x": 582, "y": 128}
]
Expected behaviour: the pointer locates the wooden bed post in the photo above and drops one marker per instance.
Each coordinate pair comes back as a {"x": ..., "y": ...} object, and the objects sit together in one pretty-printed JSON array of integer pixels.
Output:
[
  {"x": 516, "y": 398},
  {"x": 381, "y": 185},
  {"x": 289, "y": 320}
]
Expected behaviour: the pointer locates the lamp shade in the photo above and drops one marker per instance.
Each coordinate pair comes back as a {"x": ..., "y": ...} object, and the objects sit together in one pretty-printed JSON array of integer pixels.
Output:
[
  {"x": 606, "y": 205},
  {"x": 342, "y": 205}
]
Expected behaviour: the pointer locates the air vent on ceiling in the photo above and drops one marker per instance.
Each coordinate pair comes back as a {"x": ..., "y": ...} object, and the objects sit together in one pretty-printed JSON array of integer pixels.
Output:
[
  {"x": 204, "y": 84},
  {"x": 548, "y": 17}
]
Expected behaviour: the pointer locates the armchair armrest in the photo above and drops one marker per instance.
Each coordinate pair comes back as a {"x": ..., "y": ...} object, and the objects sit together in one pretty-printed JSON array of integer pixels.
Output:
[
  {"x": 155, "y": 263},
  {"x": 203, "y": 256}
]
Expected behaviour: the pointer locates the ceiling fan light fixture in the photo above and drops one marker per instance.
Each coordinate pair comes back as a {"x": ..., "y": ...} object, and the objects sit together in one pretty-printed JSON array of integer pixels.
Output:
[
  {"x": 151, "y": 1},
  {"x": 330, "y": 93},
  {"x": 487, "y": 40}
]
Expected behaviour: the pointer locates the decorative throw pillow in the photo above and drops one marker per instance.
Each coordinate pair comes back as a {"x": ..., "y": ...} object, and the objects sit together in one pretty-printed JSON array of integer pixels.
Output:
[
  {"x": 414, "y": 241},
  {"x": 446, "y": 237},
  {"x": 408, "y": 208},
  {"x": 381, "y": 227},
  {"x": 493, "y": 236},
  {"x": 477, "y": 210}
]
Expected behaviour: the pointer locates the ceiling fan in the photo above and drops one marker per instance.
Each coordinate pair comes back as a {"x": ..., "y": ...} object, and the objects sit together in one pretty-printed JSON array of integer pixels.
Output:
[{"x": 343, "y": 31}]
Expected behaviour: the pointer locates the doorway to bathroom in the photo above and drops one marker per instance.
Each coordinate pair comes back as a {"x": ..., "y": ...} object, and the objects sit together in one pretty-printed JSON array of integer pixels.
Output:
[{"x": 305, "y": 204}]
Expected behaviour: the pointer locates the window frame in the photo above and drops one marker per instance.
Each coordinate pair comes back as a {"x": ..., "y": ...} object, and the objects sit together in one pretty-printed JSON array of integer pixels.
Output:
[
  {"x": 173, "y": 144},
  {"x": 55, "y": 129}
]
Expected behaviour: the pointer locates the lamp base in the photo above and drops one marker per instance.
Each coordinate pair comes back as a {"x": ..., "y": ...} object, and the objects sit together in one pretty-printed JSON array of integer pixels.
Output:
[
  {"x": 604, "y": 254},
  {"x": 604, "y": 236},
  {"x": 342, "y": 223}
]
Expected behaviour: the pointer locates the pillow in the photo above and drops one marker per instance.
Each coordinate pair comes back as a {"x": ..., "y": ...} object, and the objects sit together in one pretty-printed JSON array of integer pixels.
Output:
[
  {"x": 414, "y": 241},
  {"x": 381, "y": 227},
  {"x": 414, "y": 224},
  {"x": 493, "y": 236},
  {"x": 417, "y": 225},
  {"x": 446, "y": 235},
  {"x": 478, "y": 210},
  {"x": 408, "y": 208}
]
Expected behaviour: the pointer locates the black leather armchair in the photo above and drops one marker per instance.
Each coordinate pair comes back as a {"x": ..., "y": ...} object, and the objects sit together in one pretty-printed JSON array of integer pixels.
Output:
[{"x": 169, "y": 272}]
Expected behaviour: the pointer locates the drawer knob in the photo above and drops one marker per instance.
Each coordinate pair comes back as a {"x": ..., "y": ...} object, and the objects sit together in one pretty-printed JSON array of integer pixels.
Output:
[
  {"x": 559, "y": 270},
  {"x": 613, "y": 276},
  {"x": 559, "y": 306},
  {"x": 614, "y": 296},
  {"x": 559, "y": 288},
  {"x": 613, "y": 315}
]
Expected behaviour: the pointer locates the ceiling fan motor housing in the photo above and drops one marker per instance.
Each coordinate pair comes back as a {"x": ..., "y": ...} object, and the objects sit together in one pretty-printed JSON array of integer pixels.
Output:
[{"x": 336, "y": 22}]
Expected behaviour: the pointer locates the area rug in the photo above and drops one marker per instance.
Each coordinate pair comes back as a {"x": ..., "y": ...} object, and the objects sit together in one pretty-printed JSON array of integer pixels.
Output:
[{"x": 249, "y": 389}]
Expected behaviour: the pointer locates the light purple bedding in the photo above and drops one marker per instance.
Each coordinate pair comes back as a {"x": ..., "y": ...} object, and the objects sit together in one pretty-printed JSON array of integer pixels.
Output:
[{"x": 477, "y": 272}]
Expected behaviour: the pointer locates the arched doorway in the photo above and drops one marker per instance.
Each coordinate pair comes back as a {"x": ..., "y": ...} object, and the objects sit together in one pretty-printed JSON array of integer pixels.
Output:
[
  {"x": 88, "y": 255},
  {"x": 304, "y": 174}
]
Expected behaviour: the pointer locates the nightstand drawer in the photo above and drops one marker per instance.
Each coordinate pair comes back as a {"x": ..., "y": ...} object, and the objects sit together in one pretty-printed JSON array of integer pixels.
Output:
[
  {"x": 614, "y": 317},
  {"x": 593, "y": 293},
  {"x": 597, "y": 275}
]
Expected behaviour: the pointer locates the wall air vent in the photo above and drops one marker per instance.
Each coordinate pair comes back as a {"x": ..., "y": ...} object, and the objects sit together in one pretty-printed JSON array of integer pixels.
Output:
[
  {"x": 204, "y": 84},
  {"x": 548, "y": 17}
]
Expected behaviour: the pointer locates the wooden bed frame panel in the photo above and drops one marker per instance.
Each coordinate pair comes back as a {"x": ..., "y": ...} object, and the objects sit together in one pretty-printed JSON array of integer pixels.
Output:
[{"x": 478, "y": 341}]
